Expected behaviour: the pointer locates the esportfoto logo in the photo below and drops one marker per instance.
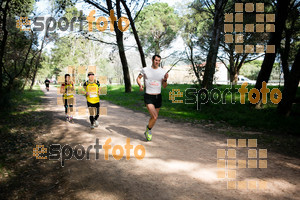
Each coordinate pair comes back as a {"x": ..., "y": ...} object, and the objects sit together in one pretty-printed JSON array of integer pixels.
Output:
[
  {"x": 63, "y": 24},
  {"x": 66, "y": 152},
  {"x": 235, "y": 30},
  {"x": 203, "y": 96}
]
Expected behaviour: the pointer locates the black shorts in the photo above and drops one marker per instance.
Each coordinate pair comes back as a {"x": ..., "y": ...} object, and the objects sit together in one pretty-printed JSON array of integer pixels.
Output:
[
  {"x": 96, "y": 105},
  {"x": 153, "y": 99},
  {"x": 68, "y": 101},
  {"x": 47, "y": 85}
]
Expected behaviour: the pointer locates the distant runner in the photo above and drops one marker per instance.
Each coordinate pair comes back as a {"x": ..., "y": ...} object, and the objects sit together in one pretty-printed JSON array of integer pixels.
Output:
[
  {"x": 67, "y": 89},
  {"x": 154, "y": 77},
  {"x": 47, "y": 82},
  {"x": 92, "y": 88}
]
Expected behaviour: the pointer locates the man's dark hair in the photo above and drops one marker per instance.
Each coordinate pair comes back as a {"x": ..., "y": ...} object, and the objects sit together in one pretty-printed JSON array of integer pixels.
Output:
[
  {"x": 156, "y": 55},
  {"x": 91, "y": 73},
  {"x": 66, "y": 77}
]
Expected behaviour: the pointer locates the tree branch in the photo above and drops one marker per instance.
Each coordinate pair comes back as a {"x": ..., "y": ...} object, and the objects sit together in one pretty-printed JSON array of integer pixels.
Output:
[{"x": 103, "y": 9}]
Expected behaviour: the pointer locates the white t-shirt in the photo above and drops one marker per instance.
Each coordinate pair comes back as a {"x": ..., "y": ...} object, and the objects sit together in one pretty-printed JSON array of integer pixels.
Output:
[{"x": 153, "y": 79}]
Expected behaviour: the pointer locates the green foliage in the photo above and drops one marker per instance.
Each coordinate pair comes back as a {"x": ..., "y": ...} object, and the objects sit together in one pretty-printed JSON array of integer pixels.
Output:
[
  {"x": 251, "y": 69},
  {"x": 47, "y": 69},
  {"x": 157, "y": 26},
  {"x": 76, "y": 51},
  {"x": 292, "y": 28},
  {"x": 62, "y": 5},
  {"x": 196, "y": 27},
  {"x": 21, "y": 8},
  {"x": 71, "y": 12},
  {"x": 16, "y": 58}
]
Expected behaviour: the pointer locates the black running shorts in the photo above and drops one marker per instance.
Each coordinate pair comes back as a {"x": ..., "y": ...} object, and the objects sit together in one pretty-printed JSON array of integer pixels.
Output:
[
  {"x": 96, "y": 105},
  {"x": 153, "y": 99}
]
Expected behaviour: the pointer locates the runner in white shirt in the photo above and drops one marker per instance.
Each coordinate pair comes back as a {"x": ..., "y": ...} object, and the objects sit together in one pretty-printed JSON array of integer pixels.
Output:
[{"x": 154, "y": 78}]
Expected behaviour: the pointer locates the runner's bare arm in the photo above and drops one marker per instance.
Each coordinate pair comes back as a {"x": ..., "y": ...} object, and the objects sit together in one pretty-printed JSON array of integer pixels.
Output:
[
  {"x": 99, "y": 90},
  {"x": 138, "y": 80},
  {"x": 72, "y": 86},
  {"x": 62, "y": 89},
  {"x": 164, "y": 81},
  {"x": 86, "y": 93}
]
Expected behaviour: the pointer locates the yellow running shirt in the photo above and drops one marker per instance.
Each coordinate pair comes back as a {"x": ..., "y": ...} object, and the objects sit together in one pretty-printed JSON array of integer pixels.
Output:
[
  {"x": 69, "y": 90},
  {"x": 93, "y": 90}
]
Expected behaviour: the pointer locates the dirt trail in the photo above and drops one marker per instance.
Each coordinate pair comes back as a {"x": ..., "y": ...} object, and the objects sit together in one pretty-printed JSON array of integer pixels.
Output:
[{"x": 180, "y": 162}]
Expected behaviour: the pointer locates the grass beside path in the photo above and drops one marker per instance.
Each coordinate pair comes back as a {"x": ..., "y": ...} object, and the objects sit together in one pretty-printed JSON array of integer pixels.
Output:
[{"x": 20, "y": 123}]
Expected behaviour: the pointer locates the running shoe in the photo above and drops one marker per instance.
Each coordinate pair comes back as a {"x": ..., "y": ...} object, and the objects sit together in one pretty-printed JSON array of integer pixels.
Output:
[
  {"x": 96, "y": 124},
  {"x": 67, "y": 118},
  {"x": 148, "y": 134},
  {"x": 71, "y": 120},
  {"x": 92, "y": 127}
]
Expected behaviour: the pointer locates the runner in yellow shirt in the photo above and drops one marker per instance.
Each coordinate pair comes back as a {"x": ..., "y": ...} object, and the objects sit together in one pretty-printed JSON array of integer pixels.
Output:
[
  {"x": 67, "y": 89},
  {"x": 92, "y": 88}
]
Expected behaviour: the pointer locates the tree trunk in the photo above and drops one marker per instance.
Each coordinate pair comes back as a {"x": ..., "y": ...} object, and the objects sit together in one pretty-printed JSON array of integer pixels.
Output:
[
  {"x": 37, "y": 65},
  {"x": 119, "y": 37},
  {"x": 10, "y": 85},
  {"x": 25, "y": 60},
  {"x": 39, "y": 57},
  {"x": 196, "y": 70},
  {"x": 284, "y": 59},
  {"x": 214, "y": 45},
  {"x": 34, "y": 76},
  {"x": 28, "y": 71},
  {"x": 3, "y": 42},
  {"x": 290, "y": 89},
  {"x": 275, "y": 38},
  {"x": 25, "y": 83},
  {"x": 284, "y": 54},
  {"x": 233, "y": 78},
  {"x": 157, "y": 48},
  {"x": 232, "y": 66},
  {"x": 136, "y": 36}
]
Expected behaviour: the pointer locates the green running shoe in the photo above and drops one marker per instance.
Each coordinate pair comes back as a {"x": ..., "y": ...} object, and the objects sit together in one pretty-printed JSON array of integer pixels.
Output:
[{"x": 148, "y": 134}]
